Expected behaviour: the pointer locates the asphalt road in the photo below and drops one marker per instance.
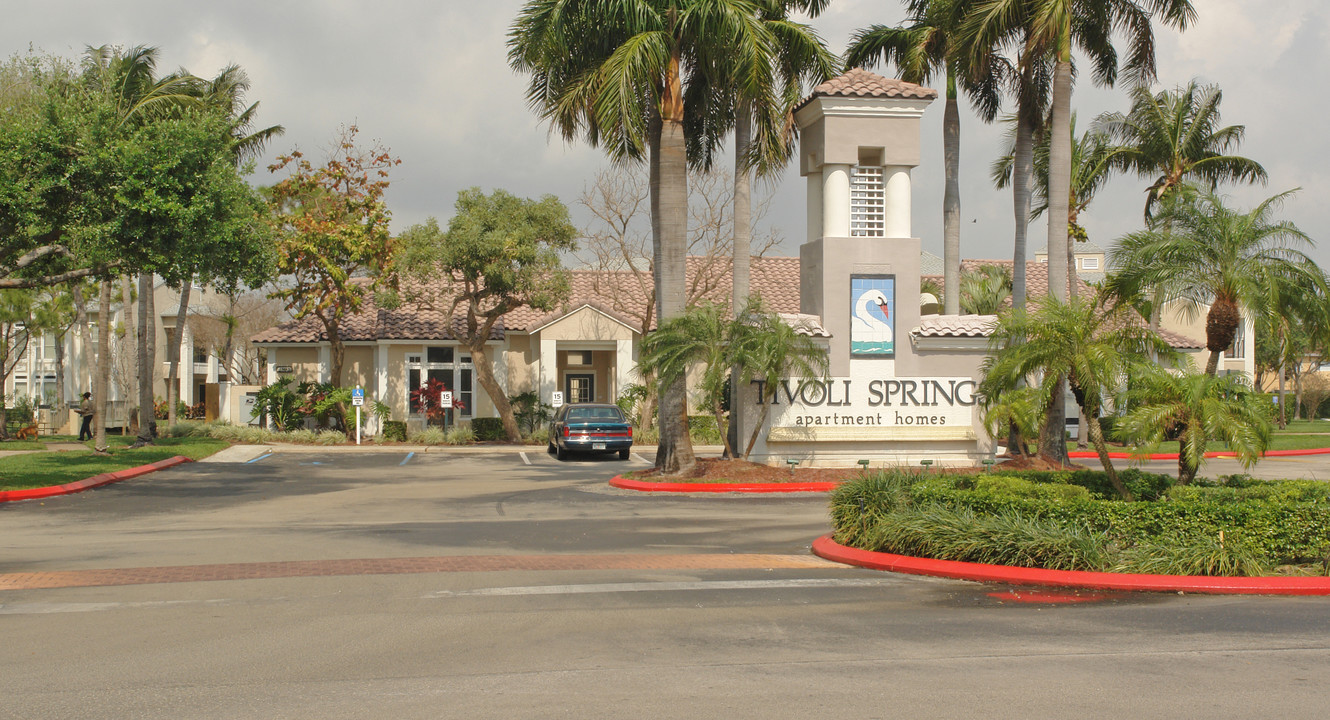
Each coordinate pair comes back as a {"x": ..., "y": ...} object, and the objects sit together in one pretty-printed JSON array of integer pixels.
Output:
[{"x": 549, "y": 594}]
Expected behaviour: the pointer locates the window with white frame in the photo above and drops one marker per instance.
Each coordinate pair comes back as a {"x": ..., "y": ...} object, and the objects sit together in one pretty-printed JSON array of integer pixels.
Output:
[
  {"x": 1090, "y": 263},
  {"x": 868, "y": 202},
  {"x": 443, "y": 363}
]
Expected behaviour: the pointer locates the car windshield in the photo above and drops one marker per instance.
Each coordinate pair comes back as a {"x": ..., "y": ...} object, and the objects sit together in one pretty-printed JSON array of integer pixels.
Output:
[{"x": 595, "y": 413}]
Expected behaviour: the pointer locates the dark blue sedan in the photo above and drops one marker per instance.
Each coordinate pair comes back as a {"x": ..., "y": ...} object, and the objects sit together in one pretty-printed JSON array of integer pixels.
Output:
[{"x": 590, "y": 427}]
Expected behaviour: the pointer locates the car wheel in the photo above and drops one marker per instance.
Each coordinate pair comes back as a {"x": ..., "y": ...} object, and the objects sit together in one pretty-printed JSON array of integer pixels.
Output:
[
  {"x": 550, "y": 448},
  {"x": 560, "y": 452},
  {"x": 623, "y": 454}
]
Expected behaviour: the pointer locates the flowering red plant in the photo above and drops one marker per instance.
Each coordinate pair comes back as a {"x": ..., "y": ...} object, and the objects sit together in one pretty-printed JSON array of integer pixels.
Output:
[{"x": 426, "y": 400}]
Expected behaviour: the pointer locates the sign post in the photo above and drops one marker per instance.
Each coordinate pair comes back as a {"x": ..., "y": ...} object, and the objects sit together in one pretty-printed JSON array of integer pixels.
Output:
[
  {"x": 446, "y": 402},
  {"x": 358, "y": 399}
]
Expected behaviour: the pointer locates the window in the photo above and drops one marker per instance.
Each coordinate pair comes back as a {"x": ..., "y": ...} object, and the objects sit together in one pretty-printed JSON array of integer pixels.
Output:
[
  {"x": 1235, "y": 350},
  {"x": 1090, "y": 263},
  {"x": 445, "y": 365},
  {"x": 867, "y": 202}
]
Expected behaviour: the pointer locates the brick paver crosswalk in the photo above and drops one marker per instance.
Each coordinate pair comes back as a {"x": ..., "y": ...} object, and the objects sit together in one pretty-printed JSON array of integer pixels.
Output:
[{"x": 397, "y": 566}]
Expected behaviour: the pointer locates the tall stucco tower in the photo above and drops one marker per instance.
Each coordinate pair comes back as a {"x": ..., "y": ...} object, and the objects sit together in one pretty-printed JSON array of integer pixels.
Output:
[{"x": 859, "y": 140}]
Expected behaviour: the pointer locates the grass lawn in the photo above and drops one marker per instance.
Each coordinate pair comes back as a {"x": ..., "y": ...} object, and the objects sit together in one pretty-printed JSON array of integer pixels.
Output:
[
  {"x": 57, "y": 468},
  {"x": 1306, "y": 426}
]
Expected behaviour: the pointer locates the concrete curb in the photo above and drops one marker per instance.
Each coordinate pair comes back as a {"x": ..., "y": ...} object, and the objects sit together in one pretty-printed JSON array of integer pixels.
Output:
[
  {"x": 624, "y": 483},
  {"x": 826, "y": 548},
  {"x": 92, "y": 482},
  {"x": 1086, "y": 454}
]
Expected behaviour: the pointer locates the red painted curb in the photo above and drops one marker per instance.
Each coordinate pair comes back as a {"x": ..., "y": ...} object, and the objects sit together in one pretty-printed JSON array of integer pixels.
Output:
[
  {"x": 1086, "y": 454},
  {"x": 622, "y": 482},
  {"x": 92, "y": 482},
  {"x": 829, "y": 549}
]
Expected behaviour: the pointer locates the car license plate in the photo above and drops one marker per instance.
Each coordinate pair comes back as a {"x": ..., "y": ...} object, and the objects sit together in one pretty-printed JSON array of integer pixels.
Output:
[{"x": 597, "y": 446}]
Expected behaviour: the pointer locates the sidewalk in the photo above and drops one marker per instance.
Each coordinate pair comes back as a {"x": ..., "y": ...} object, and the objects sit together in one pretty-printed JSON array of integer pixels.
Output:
[{"x": 245, "y": 453}]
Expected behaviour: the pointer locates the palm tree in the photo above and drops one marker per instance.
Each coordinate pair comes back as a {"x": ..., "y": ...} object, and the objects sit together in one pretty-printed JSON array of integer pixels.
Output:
[
  {"x": 1091, "y": 166},
  {"x": 1215, "y": 255},
  {"x": 984, "y": 290},
  {"x": 1046, "y": 30},
  {"x": 1049, "y": 29},
  {"x": 1015, "y": 412},
  {"x": 1090, "y": 344},
  {"x": 773, "y": 350},
  {"x": 702, "y": 338},
  {"x": 616, "y": 72},
  {"x": 1194, "y": 408},
  {"x": 930, "y": 45},
  {"x": 1175, "y": 136},
  {"x": 1299, "y": 326}
]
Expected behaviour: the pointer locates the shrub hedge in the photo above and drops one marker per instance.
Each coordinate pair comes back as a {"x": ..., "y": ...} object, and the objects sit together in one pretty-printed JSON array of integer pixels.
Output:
[
  {"x": 488, "y": 428},
  {"x": 1237, "y": 526}
]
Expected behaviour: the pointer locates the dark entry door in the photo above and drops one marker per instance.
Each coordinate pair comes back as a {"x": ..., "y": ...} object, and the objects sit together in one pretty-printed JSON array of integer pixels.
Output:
[{"x": 579, "y": 388}]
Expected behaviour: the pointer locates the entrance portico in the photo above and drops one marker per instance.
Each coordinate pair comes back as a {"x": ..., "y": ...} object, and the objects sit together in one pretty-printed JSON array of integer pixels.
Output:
[{"x": 585, "y": 353}]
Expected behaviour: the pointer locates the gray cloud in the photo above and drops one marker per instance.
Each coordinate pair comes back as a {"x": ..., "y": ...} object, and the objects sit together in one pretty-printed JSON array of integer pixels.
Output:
[{"x": 431, "y": 80}]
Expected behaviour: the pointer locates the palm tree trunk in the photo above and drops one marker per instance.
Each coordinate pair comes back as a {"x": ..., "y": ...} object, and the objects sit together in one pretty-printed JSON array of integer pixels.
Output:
[
  {"x": 102, "y": 383},
  {"x": 1022, "y": 174},
  {"x": 757, "y": 430},
  {"x": 1186, "y": 473},
  {"x": 1282, "y": 420},
  {"x": 743, "y": 242},
  {"x": 1059, "y": 175},
  {"x": 173, "y": 354},
  {"x": 1101, "y": 448},
  {"x": 951, "y": 201},
  {"x": 147, "y": 354},
  {"x": 674, "y": 454},
  {"x": 1053, "y": 435}
]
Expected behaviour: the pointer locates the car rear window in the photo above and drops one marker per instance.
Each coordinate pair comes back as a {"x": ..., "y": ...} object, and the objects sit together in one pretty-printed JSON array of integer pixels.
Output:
[{"x": 610, "y": 414}]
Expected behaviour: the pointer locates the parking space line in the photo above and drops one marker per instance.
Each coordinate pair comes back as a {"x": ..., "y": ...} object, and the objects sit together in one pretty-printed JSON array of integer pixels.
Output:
[
  {"x": 408, "y": 458},
  {"x": 525, "y": 459},
  {"x": 640, "y": 458},
  {"x": 264, "y": 455}
]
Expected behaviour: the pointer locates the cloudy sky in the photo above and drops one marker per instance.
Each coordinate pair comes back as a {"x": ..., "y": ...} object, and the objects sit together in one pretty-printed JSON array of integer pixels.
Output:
[{"x": 431, "y": 81}]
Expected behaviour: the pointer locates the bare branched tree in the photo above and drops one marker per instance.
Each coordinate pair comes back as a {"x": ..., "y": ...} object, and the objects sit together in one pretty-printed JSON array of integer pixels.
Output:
[
  {"x": 226, "y": 326},
  {"x": 617, "y": 244}
]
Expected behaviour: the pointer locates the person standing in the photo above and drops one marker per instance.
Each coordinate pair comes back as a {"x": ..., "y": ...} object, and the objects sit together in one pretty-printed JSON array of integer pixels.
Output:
[{"x": 86, "y": 410}]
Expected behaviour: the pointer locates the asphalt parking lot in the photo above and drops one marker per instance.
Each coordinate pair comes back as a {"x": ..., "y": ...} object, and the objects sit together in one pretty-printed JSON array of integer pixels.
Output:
[{"x": 497, "y": 584}]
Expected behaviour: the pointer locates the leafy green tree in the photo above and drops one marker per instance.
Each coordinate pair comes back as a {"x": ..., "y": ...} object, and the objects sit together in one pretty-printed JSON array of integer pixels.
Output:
[
  {"x": 1193, "y": 409},
  {"x": 333, "y": 241},
  {"x": 1222, "y": 257},
  {"x": 500, "y": 253},
  {"x": 1089, "y": 344},
  {"x": 931, "y": 44},
  {"x": 629, "y": 74}
]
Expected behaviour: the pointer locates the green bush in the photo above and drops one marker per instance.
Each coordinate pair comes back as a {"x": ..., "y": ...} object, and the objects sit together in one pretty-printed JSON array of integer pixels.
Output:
[
  {"x": 539, "y": 436},
  {"x": 702, "y": 430},
  {"x": 488, "y": 428},
  {"x": 394, "y": 430},
  {"x": 429, "y": 436},
  {"x": 459, "y": 435},
  {"x": 1262, "y": 524}
]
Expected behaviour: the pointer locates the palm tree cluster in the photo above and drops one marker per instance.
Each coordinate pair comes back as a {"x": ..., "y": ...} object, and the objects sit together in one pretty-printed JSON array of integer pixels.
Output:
[{"x": 666, "y": 80}]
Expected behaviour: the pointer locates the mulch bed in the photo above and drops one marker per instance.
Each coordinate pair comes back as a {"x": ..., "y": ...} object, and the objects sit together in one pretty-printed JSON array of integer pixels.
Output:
[{"x": 716, "y": 470}]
